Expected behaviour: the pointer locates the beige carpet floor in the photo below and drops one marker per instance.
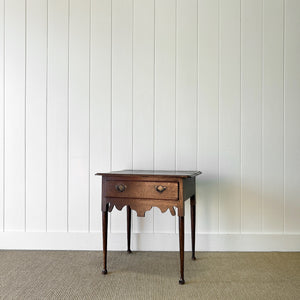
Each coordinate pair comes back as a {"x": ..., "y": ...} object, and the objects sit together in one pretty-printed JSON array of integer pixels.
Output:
[{"x": 148, "y": 275}]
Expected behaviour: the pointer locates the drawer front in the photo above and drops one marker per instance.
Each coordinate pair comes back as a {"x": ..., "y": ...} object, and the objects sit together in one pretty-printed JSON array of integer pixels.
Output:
[{"x": 142, "y": 189}]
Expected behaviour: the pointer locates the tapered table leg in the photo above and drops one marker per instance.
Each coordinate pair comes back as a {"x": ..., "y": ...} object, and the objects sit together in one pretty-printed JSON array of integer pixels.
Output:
[
  {"x": 193, "y": 224},
  {"x": 104, "y": 232},
  {"x": 181, "y": 247},
  {"x": 128, "y": 228}
]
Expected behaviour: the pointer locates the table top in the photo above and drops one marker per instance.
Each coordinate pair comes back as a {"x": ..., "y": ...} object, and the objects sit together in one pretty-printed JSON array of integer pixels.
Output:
[{"x": 180, "y": 174}]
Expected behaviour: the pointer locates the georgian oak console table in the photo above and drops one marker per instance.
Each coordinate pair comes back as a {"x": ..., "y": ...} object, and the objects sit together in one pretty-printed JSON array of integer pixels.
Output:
[{"x": 141, "y": 190}]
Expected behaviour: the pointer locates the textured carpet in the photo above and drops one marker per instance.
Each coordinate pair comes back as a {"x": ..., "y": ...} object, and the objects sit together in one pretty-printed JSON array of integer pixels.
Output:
[{"x": 148, "y": 275}]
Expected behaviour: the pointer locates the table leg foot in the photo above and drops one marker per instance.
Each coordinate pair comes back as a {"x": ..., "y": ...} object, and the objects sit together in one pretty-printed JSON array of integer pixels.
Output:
[
  {"x": 104, "y": 271},
  {"x": 181, "y": 281},
  {"x": 194, "y": 257},
  {"x": 129, "y": 251}
]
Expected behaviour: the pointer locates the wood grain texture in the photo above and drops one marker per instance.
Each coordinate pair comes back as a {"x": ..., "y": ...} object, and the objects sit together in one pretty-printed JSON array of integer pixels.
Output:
[
  {"x": 140, "y": 189},
  {"x": 142, "y": 192},
  {"x": 141, "y": 206}
]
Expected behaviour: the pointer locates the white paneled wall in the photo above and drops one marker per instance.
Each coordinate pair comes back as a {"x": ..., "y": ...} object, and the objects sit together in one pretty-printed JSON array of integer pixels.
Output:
[
  {"x": 35, "y": 115},
  {"x": 99, "y": 85},
  {"x": 57, "y": 116}
]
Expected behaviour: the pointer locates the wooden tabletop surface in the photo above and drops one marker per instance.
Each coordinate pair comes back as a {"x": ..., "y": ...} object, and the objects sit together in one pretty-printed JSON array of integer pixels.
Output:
[{"x": 181, "y": 174}]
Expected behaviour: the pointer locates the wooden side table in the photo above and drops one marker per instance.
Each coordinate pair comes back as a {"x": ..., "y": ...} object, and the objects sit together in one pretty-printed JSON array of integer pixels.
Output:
[{"x": 141, "y": 190}]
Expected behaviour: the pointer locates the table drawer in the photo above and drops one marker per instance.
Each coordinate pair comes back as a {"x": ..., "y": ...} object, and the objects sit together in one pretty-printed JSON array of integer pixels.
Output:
[{"x": 141, "y": 189}]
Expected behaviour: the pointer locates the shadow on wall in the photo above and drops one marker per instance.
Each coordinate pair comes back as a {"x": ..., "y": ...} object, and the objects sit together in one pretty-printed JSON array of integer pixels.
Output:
[{"x": 228, "y": 205}]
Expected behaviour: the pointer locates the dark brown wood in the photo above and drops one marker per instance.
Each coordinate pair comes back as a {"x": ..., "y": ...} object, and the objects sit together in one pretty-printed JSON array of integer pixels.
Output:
[
  {"x": 141, "y": 205},
  {"x": 128, "y": 228},
  {"x": 181, "y": 249},
  {"x": 140, "y": 191},
  {"x": 181, "y": 205},
  {"x": 104, "y": 204},
  {"x": 193, "y": 223},
  {"x": 104, "y": 233}
]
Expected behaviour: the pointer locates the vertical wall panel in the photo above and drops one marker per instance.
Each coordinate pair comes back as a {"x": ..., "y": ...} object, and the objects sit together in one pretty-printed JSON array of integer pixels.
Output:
[
  {"x": 57, "y": 116},
  {"x": 164, "y": 121},
  {"x": 208, "y": 116},
  {"x": 186, "y": 89},
  {"x": 15, "y": 115},
  {"x": 122, "y": 17},
  {"x": 273, "y": 116},
  {"x": 100, "y": 104},
  {"x": 99, "y": 85},
  {"x": 143, "y": 96},
  {"x": 292, "y": 113},
  {"x": 251, "y": 113},
  {"x": 79, "y": 98},
  {"x": 2, "y": 115},
  {"x": 36, "y": 64},
  {"x": 229, "y": 123}
]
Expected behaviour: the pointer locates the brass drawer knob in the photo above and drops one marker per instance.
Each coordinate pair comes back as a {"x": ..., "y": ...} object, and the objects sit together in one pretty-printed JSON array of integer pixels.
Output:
[
  {"x": 120, "y": 187},
  {"x": 160, "y": 188}
]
